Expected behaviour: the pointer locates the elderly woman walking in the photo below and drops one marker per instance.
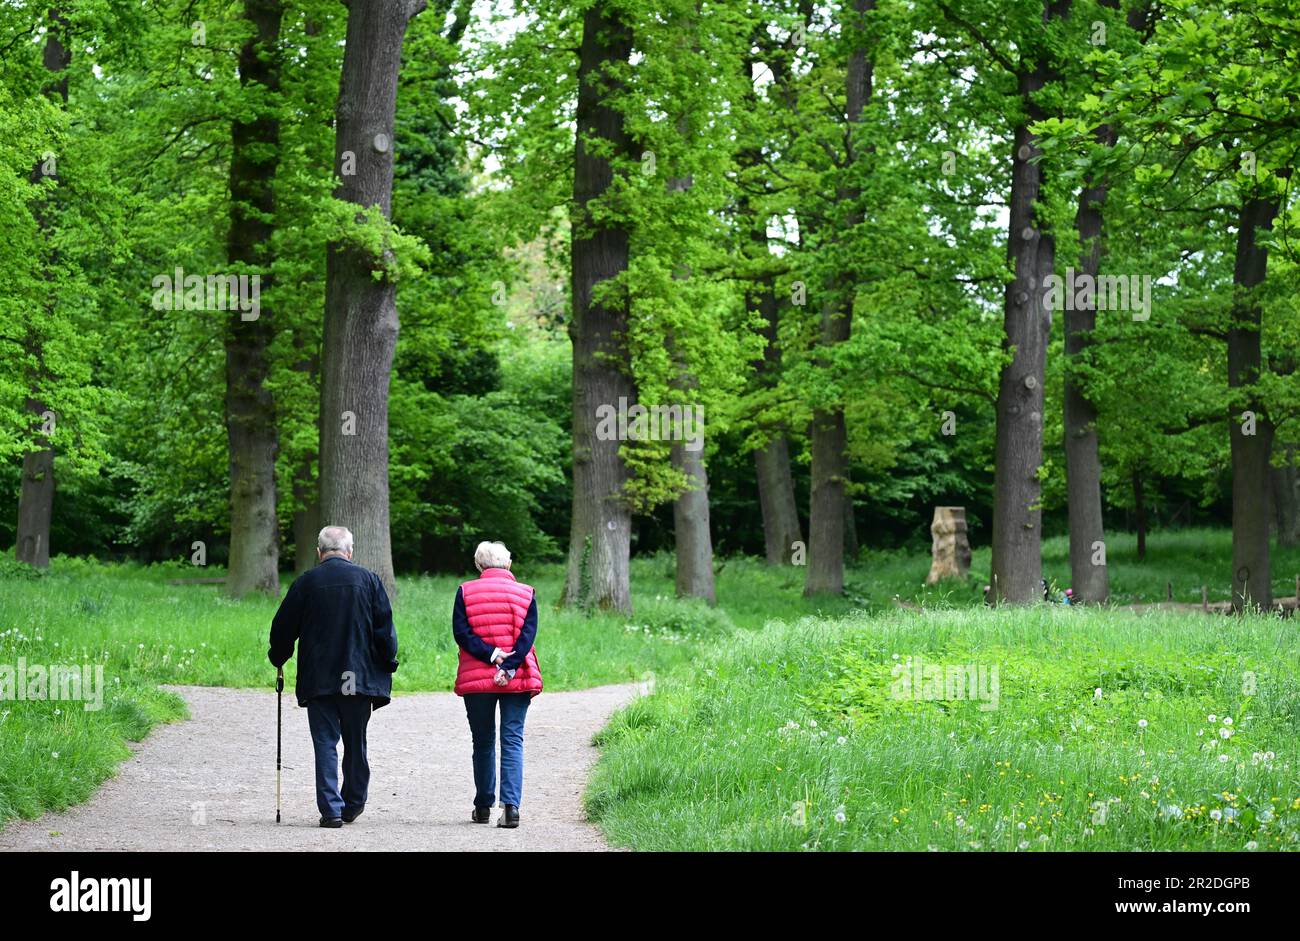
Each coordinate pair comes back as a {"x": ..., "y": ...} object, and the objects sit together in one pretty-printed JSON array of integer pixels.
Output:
[{"x": 494, "y": 621}]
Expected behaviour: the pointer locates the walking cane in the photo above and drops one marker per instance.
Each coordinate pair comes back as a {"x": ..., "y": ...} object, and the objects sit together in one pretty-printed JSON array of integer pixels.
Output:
[{"x": 279, "y": 699}]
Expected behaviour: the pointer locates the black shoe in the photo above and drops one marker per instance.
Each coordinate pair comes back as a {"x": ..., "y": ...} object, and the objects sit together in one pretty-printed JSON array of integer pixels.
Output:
[
  {"x": 482, "y": 814},
  {"x": 331, "y": 823},
  {"x": 350, "y": 815},
  {"x": 510, "y": 818}
]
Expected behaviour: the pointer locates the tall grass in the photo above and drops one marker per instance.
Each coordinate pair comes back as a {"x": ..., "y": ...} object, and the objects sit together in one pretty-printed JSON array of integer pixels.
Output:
[
  {"x": 798, "y": 737},
  {"x": 146, "y": 632}
]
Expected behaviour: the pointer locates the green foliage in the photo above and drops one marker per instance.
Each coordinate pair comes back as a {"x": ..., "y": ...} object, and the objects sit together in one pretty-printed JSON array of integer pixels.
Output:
[{"x": 796, "y": 738}]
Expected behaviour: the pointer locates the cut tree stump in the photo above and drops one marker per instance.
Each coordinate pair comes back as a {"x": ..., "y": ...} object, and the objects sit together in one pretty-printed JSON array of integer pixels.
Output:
[{"x": 950, "y": 549}]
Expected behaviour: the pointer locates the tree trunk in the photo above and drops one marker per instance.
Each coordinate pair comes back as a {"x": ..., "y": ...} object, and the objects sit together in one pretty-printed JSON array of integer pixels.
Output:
[
  {"x": 36, "y": 490},
  {"x": 306, "y": 488},
  {"x": 693, "y": 541},
  {"x": 691, "y": 528},
  {"x": 360, "y": 311},
  {"x": 251, "y": 431},
  {"x": 1027, "y": 322},
  {"x": 35, "y": 501},
  {"x": 851, "y": 546},
  {"x": 1090, "y": 580},
  {"x": 1251, "y": 582},
  {"x": 826, "y": 506},
  {"x": 1140, "y": 516},
  {"x": 830, "y": 460},
  {"x": 1286, "y": 513},
  {"x": 781, "y": 528},
  {"x": 306, "y": 523},
  {"x": 601, "y": 530}
]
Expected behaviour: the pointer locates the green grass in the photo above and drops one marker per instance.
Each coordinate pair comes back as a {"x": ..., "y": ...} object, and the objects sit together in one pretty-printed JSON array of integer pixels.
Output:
[
  {"x": 1185, "y": 559},
  {"x": 128, "y": 618},
  {"x": 793, "y": 738},
  {"x": 145, "y": 632},
  {"x": 55, "y": 754}
]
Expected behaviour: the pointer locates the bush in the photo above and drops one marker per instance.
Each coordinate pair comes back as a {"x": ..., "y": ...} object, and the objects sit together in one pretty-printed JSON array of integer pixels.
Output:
[{"x": 10, "y": 567}]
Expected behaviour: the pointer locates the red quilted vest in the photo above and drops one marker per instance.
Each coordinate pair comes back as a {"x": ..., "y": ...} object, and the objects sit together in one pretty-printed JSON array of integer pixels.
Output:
[{"x": 496, "y": 606}]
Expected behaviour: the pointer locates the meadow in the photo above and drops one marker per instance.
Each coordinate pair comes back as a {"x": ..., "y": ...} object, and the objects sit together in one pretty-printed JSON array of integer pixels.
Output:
[
  {"x": 1107, "y": 731},
  {"x": 758, "y": 670}
]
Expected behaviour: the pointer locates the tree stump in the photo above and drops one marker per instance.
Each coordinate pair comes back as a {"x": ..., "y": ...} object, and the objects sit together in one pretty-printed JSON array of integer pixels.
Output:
[{"x": 950, "y": 550}]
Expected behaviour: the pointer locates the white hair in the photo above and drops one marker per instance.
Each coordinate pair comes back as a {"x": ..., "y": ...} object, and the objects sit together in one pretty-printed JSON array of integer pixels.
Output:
[
  {"x": 492, "y": 555},
  {"x": 334, "y": 539}
]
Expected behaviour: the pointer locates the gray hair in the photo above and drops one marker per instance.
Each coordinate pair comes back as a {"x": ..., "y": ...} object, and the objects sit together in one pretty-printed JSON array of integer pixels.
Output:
[
  {"x": 334, "y": 539},
  {"x": 492, "y": 555}
]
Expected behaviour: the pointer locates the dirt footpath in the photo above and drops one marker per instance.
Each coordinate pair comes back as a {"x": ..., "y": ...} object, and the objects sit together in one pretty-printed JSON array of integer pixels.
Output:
[{"x": 209, "y": 783}]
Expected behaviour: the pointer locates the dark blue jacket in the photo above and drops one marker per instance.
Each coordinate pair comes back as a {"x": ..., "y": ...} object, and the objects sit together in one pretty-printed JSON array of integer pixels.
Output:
[{"x": 339, "y": 615}]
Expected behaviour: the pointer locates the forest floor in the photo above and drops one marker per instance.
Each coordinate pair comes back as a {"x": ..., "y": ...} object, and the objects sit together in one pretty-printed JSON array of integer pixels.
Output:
[{"x": 209, "y": 783}]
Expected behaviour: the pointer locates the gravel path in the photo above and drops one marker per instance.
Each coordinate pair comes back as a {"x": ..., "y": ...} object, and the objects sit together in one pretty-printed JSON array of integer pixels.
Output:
[{"x": 209, "y": 783}]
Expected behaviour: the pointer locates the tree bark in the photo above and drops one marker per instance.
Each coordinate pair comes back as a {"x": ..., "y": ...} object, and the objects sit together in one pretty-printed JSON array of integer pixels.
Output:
[
  {"x": 1027, "y": 323},
  {"x": 691, "y": 528},
  {"x": 1251, "y": 581},
  {"x": 1286, "y": 512},
  {"x": 306, "y": 488},
  {"x": 781, "y": 529},
  {"x": 306, "y": 523},
  {"x": 826, "y": 506},
  {"x": 36, "y": 500},
  {"x": 830, "y": 460},
  {"x": 1090, "y": 580},
  {"x": 601, "y": 529},
  {"x": 1140, "y": 516},
  {"x": 692, "y": 538},
  {"x": 361, "y": 320},
  {"x": 851, "y": 546},
  {"x": 36, "y": 490},
  {"x": 251, "y": 433}
]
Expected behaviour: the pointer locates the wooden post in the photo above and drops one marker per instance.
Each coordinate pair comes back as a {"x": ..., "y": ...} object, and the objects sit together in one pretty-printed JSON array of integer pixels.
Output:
[
  {"x": 1169, "y": 591},
  {"x": 1205, "y": 599}
]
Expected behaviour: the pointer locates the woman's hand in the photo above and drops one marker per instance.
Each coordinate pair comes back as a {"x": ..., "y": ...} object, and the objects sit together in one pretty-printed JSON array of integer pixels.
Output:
[{"x": 501, "y": 679}]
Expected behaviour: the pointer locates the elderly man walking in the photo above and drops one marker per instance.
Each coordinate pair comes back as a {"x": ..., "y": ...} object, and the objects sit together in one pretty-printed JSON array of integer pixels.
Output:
[{"x": 339, "y": 615}]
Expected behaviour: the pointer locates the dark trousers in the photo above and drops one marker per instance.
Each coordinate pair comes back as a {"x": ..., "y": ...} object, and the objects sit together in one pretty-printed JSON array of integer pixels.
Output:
[
  {"x": 332, "y": 718},
  {"x": 481, "y": 710}
]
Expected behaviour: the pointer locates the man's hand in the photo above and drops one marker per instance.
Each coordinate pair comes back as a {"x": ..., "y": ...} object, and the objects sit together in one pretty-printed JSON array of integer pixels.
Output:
[{"x": 501, "y": 679}]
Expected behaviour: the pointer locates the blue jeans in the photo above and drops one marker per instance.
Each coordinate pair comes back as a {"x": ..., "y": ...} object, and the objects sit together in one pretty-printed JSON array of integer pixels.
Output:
[
  {"x": 332, "y": 718},
  {"x": 481, "y": 710}
]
